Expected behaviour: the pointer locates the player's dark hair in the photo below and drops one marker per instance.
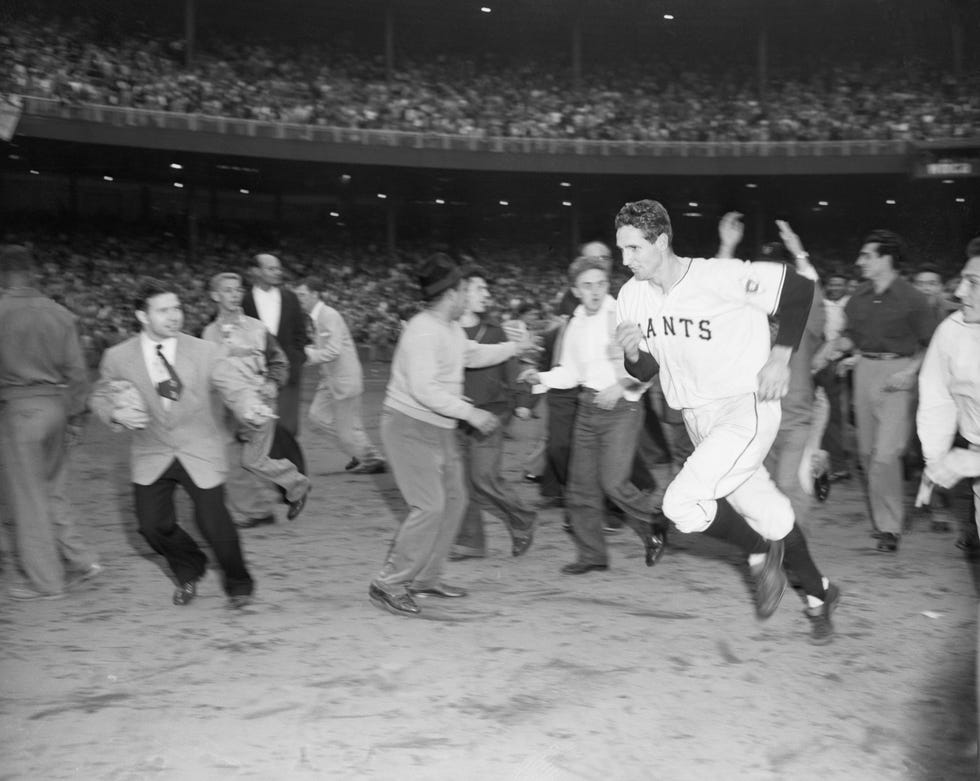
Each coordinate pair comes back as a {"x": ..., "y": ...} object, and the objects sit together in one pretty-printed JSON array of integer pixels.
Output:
[
  {"x": 889, "y": 243},
  {"x": 648, "y": 217},
  {"x": 150, "y": 287},
  {"x": 973, "y": 248}
]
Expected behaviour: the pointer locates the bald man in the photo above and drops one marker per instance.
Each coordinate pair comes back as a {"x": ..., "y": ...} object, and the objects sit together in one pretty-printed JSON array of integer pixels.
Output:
[{"x": 279, "y": 310}]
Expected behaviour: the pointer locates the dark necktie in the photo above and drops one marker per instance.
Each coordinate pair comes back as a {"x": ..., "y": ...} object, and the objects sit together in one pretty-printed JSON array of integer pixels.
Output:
[{"x": 169, "y": 389}]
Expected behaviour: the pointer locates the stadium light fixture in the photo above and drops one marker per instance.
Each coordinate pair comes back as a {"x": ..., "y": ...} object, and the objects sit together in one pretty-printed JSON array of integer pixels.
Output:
[
  {"x": 566, "y": 203},
  {"x": 504, "y": 203},
  {"x": 177, "y": 166},
  {"x": 440, "y": 201},
  {"x": 961, "y": 200},
  {"x": 35, "y": 172},
  {"x": 485, "y": 9},
  {"x": 947, "y": 181},
  {"x": 243, "y": 191},
  {"x": 345, "y": 178},
  {"x": 334, "y": 214},
  {"x": 564, "y": 184},
  {"x": 178, "y": 185},
  {"x": 890, "y": 201},
  {"x": 108, "y": 178},
  {"x": 823, "y": 203},
  {"x": 14, "y": 157},
  {"x": 751, "y": 186},
  {"x": 669, "y": 17},
  {"x": 693, "y": 204}
]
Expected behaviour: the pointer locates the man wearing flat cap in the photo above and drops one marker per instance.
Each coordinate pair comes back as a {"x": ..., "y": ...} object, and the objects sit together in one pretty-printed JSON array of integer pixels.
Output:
[{"x": 422, "y": 409}]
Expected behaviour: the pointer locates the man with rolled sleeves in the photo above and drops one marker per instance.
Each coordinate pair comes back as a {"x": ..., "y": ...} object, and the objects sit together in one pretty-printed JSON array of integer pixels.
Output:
[{"x": 889, "y": 324}]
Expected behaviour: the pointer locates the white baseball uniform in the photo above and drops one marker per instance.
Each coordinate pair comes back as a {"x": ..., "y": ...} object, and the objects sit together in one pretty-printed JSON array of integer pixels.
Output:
[{"x": 710, "y": 336}]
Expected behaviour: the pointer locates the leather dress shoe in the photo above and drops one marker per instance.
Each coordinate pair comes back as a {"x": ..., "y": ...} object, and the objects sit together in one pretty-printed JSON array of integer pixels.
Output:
[
  {"x": 522, "y": 542},
  {"x": 888, "y": 542},
  {"x": 352, "y": 463},
  {"x": 654, "y": 544},
  {"x": 580, "y": 568},
  {"x": 400, "y": 604},
  {"x": 251, "y": 523},
  {"x": 439, "y": 590},
  {"x": 185, "y": 593},
  {"x": 374, "y": 466},
  {"x": 295, "y": 508},
  {"x": 239, "y": 601}
]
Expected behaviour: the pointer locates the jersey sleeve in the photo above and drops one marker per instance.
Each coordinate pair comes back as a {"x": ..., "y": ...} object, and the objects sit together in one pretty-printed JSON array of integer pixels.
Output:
[{"x": 758, "y": 284}]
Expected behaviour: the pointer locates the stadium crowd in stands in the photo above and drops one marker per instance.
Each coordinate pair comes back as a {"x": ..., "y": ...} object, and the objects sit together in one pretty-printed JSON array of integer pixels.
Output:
[
  {"x": 329, "y": 85},
  {"x": 96, "y": 277}
]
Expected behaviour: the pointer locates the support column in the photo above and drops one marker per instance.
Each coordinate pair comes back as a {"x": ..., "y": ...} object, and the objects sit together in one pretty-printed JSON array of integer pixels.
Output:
[
  {"x": 389, "y": 40},
  {"x": 190, "y": 30},
  {"x": 577, "y": 24},
  {"x": 391, "y": 225}
]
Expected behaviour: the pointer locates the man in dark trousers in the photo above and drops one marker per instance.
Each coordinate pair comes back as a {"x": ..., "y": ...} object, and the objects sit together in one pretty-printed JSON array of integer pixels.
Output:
[
  {"x": 176, "y": 419},
  {"x": 279, "y": 309},
  {"x": 491, "y": 388}
]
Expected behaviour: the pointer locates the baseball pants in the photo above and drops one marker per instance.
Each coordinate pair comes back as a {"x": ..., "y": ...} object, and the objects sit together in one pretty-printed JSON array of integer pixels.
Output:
[{"x": 731, "y": 439}]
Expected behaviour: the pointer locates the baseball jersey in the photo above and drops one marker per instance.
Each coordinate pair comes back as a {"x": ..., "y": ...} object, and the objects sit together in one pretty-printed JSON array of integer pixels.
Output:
[{"x": 710, "y": 331}]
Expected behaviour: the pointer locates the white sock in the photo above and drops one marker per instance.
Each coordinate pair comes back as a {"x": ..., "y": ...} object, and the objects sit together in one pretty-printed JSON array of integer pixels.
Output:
[{"x": 813, "y": 601}]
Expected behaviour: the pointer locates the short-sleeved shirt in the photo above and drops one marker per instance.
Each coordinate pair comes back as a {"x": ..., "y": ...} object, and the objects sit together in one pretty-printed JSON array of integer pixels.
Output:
[{"x": 897, "y": 320}]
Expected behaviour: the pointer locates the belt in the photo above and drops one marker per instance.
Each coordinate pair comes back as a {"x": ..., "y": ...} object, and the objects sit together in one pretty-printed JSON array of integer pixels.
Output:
[{"x": 883, "y": 356}]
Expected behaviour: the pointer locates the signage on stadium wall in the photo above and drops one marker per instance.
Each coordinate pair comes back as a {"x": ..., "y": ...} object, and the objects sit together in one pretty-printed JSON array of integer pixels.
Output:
[{"x": 947, "y": 169}]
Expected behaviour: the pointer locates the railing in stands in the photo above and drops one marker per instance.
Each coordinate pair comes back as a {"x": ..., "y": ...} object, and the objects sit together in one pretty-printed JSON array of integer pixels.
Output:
[{"x": 167, "y": 120}]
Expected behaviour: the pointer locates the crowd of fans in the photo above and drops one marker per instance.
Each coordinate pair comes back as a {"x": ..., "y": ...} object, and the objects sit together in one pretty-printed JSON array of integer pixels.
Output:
[
  {"x": 329, "y": 85},
  {"x": 96, "y": 276}
]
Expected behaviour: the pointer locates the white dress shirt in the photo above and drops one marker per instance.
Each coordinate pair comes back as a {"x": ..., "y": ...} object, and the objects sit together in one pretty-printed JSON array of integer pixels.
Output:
[
  {"x": 268, "y": 306},
  {"x": 590, "y": 356}
]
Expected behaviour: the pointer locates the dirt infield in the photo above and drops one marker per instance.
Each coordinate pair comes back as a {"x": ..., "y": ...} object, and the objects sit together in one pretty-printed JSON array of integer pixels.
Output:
[{"x": 634, "y": 673}]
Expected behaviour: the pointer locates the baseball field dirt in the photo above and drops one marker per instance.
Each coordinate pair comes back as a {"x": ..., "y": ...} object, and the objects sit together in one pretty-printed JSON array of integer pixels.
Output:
[{"x": 634, "y": 673}]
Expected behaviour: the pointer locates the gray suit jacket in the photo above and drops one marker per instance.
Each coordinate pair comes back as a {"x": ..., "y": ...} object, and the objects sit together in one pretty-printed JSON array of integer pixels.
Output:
[
  {"x": 192, "y": 430},
  {"x": 336, "y": 353}
]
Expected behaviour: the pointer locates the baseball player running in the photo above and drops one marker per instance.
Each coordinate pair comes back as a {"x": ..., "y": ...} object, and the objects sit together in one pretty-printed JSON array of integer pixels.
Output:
[{"x": 704, "y": 324}]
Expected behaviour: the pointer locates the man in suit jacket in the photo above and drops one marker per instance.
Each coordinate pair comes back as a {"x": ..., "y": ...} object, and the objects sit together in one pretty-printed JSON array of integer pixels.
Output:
[
  {"x": 336, "y": 407},
  {"x": 278, "y": 308},
  {"x": 179, "y": 438}
]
